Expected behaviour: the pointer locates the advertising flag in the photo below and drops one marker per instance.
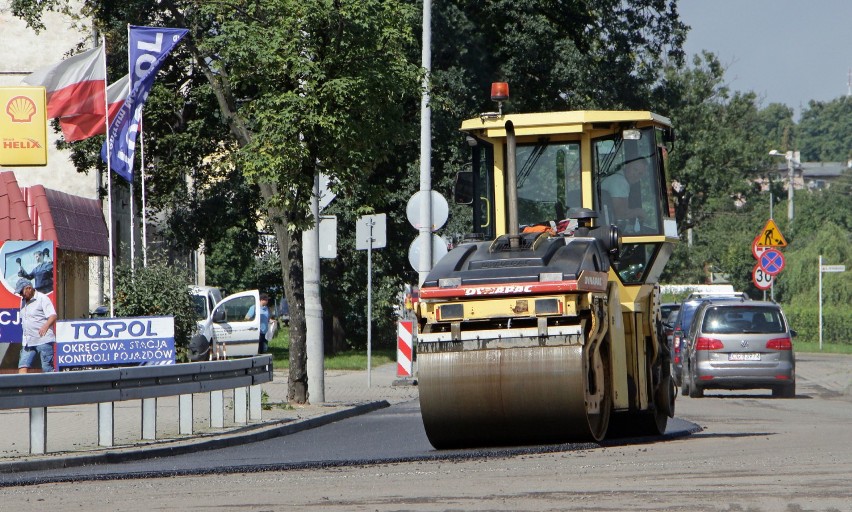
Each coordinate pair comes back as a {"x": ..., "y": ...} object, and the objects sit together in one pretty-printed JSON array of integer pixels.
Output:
[
  {"x": 74, "y": 86},
  {"x": 149, "y": 47},
  {"x": 83, "y": 126}
]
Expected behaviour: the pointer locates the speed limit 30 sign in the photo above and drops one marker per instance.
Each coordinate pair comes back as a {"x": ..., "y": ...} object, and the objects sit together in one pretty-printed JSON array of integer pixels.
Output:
[{"x": 762, "y": 279}]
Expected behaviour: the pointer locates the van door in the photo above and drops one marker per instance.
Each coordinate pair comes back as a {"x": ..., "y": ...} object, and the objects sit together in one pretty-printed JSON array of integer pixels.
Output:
[{"x": 230, "y": 327}]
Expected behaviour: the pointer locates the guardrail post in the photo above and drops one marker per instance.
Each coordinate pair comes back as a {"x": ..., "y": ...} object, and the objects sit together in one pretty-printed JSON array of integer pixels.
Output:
[
  {"x": 240, "y": 405},
  {"x": 254, "y": 402},
  {"x": 149, "y": 418},
  {"x": 38, "y": 430},
  {"x": 106, "y": 424},
  {"x": 185, "y": 414},
  {"x": 217, "y": 409}
]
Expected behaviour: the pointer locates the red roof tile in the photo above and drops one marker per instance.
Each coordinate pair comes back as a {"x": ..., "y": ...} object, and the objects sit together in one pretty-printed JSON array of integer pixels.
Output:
[{"x": 35, "y": 213}]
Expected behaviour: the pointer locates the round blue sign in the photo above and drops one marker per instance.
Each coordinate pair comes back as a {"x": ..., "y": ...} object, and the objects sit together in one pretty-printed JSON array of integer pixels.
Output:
[{"x": 772, "y": 261}]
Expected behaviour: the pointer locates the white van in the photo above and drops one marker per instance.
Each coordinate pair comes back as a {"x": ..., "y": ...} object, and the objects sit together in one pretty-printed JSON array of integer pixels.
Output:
[{"x": 224, "y": 328}]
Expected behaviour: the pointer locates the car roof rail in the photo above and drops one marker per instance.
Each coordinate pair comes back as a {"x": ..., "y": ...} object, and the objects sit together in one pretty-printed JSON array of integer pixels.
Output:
[{"x": 712, "y": 295}]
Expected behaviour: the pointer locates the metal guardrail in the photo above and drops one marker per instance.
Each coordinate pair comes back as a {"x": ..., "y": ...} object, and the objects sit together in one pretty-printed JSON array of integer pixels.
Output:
[{"x": 36, "y": 392}]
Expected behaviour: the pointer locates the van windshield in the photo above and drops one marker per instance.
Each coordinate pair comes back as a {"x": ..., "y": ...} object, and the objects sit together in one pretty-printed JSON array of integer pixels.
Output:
[{"x": 199, "y": 302}]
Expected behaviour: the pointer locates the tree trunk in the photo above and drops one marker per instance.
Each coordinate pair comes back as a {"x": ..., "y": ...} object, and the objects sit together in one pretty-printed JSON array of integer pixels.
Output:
[
  {"x": 292, "y": 273},
  {"x": 289, "y": 244}
]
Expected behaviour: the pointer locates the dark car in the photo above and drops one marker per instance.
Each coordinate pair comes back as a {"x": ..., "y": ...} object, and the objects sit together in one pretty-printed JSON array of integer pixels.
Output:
[
  {"x": 735, "y": 344},
  {"x": 667, "y": 308},
  {"x": 680, "y": 325}
]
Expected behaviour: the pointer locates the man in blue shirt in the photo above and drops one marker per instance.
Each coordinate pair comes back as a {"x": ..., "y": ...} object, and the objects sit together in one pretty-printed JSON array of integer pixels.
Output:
[
  {"x": 37, "y": 318},
  {"x": 263, "y": 343}
]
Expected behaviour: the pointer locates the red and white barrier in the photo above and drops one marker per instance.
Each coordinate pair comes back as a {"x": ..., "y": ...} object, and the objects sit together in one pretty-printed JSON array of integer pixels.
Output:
[{"x": 404, "y": 351}]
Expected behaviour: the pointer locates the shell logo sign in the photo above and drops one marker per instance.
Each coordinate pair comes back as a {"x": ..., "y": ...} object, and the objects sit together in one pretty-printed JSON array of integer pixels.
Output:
[
  {"x": 23, "y": 126},
  {"x": 21, "y": 109}
]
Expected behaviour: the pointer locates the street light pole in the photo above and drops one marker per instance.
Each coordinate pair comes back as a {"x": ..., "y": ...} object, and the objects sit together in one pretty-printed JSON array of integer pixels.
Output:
[
  {"x": 789, "y": 157},
  {"x": 791, "y": 161}
]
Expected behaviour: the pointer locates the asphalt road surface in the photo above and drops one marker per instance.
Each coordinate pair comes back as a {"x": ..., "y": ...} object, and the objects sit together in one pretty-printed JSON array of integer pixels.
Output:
[{"x": 752, "y": 453}]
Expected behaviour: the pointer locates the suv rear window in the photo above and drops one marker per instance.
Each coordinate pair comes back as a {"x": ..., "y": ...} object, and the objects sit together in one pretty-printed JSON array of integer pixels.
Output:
[{"x": 743, "y": 319}]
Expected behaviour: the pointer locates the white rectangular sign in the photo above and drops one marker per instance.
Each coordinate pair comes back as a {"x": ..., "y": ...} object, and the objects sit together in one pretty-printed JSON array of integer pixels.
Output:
[
  {"x": 370, "y": 232},
  {"x": 833, "y": 268},
  {"x": 104, "y": 342}
]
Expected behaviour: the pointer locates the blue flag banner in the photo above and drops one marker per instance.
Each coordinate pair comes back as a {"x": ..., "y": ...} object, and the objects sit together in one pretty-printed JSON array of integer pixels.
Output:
[{"x": 149, "y": 47}]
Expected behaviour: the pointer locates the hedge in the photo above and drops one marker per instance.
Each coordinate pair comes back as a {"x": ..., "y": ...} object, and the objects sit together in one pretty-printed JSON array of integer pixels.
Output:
[{"x": 836, "y": 322}]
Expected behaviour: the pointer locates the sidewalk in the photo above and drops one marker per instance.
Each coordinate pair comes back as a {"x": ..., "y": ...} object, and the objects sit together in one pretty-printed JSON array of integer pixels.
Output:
[{"x": 72, "y": 432}]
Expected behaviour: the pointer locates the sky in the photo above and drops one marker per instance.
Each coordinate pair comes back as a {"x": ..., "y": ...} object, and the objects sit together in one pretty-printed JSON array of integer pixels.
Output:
[{"x": 786, "y": 51}]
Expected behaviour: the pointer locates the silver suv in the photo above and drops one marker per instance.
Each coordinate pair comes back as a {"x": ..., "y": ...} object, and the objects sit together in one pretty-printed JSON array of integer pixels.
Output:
[
  {"x": 679, "y": 326},
  {"x": 735, "y": 344}
]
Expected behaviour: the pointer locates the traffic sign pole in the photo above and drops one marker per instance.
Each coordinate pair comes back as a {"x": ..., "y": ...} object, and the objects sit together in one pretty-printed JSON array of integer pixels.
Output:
[
  {"x": 825, "y": 268},
  {"x": 819, "y": 271}
]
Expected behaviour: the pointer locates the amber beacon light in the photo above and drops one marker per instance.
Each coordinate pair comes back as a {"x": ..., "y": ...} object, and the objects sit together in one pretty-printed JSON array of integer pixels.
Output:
[{"x": 499, "y": 91}]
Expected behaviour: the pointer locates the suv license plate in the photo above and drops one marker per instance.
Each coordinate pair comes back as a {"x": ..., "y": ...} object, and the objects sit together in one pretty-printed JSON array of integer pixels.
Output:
[{"x": 744, "y": 356}]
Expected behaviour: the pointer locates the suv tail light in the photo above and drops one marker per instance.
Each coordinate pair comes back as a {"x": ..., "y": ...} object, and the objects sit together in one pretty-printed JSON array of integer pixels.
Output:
[
  {"x": 703, "y": 343},
  {"x": 779, "y": 344}
]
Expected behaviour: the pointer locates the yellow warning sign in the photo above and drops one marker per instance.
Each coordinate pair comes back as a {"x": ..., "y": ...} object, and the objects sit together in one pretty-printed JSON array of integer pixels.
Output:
[{"x": 770, "y": 236}]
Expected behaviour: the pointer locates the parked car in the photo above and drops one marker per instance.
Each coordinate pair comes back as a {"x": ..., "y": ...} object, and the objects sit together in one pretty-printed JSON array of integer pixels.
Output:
[
  {"x": 101, "y": 311},
  {"x": 680, "y": 325},
  {"x": 667, "y": 308},
  {"x": 204, "y": 298},
  {"x": 736, "y": 344},
  {"x": 225, "y": 330},
  {"x": 668, "y": 313}
]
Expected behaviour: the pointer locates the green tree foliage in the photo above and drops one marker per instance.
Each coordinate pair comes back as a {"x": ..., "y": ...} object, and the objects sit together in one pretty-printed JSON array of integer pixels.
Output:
[
  {"x": 721, "y": 143},
  {"x": 826, "y": 131},
  {"x": 158, "y": 289}
]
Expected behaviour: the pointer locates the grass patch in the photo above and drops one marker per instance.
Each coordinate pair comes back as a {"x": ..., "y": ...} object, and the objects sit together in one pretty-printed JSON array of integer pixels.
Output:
[
  {"x": 827, "y": 348},
  {"x": 279, "y": 347}
]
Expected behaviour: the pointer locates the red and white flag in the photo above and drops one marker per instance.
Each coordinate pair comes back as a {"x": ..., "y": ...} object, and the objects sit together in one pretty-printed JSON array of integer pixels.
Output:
[
  {"x": 75, "y": 85},
  {"x": 83, "y": 126}
]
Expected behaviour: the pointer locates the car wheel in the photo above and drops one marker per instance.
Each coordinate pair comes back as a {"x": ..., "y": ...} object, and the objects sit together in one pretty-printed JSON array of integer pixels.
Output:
[
  {"x": 695, "y": 391},
  {"x": 788, "y": 391},
  {"x": 684, "y": 383}
]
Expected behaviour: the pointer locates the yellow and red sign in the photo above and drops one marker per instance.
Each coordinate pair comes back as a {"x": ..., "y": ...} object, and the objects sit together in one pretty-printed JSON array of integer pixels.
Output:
[{"x": 23, "y": 126}]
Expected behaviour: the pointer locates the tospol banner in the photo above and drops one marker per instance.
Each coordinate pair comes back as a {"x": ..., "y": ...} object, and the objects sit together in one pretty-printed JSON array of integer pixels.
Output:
[{"x": 115, "y": 341}]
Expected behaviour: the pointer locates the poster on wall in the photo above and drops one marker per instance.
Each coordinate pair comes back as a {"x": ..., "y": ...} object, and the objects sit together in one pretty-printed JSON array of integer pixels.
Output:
[{"x": 22, "y": 259}]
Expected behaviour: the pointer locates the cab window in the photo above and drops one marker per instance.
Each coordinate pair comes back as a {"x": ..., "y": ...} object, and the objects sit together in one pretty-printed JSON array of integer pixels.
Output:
[
  {"x": 548, "y": 181},
  {"x": 628, "y": 184}
]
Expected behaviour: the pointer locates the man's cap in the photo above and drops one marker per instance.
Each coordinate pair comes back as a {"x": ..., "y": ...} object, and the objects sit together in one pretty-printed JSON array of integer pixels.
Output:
[
  {"x": 264, "y": 296},
  {"x": 22, "y": 283}
]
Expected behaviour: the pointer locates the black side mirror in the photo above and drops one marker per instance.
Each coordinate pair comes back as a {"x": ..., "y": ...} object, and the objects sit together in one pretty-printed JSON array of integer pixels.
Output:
[{"x": 219, "y": 315}]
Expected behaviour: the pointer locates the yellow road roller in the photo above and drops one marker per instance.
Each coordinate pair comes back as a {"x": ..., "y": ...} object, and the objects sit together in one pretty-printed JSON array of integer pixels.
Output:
[{"x": 543, "y": 325}]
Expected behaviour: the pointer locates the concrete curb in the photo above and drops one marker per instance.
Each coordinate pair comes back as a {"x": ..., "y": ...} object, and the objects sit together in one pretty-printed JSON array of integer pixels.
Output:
[{"x": 241, "y": 435}]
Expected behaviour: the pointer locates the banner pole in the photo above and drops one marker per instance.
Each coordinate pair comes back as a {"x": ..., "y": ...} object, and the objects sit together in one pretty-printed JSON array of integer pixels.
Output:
[
  {"x": 144, "y": 206},
  {"x": 109, "y": 187},
  {"x": 130, "y": 183}
]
